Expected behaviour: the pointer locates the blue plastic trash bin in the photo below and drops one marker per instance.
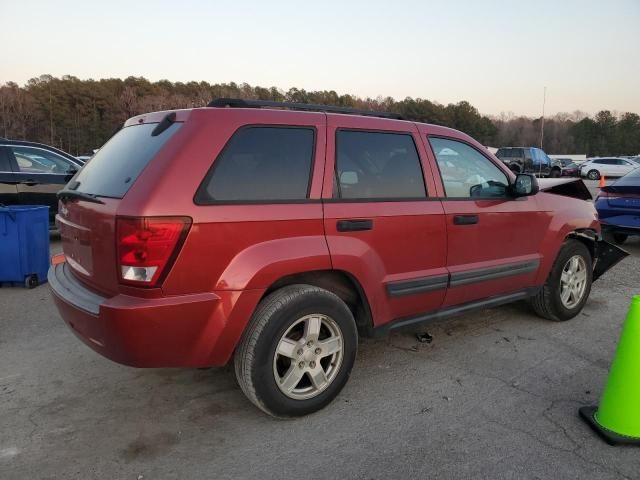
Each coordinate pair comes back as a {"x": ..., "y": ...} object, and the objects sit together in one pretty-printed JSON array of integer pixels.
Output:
[{"x": 24, "y": 244}]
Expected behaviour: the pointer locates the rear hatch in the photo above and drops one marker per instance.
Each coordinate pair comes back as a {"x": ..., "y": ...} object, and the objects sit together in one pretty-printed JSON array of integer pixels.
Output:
[{"x": 89, "y": 203}]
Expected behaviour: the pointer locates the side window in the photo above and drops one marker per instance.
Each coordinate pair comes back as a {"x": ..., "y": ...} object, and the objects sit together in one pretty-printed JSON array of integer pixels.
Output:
[
  {"x": 377, "y": 165},
  {"x": 466, "y": 173},
  {"x": 261, "y": 164},
  {"x": 35, "y": 160},
  {"x": 545, "y": 158},
  {"x": 540, "y": 158},
  {"x": 5, "y": 165}
]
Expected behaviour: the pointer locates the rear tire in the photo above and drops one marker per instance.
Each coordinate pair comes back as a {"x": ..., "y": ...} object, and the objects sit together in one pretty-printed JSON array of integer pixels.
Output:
[
  {"x": 593, "y": 175},
  {"x": 564, "y": 294},
  {"x": 282, "y": 366}
]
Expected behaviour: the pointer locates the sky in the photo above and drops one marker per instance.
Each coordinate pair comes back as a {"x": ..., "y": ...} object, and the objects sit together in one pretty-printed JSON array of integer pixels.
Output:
[{"x": 498, "y": 55}]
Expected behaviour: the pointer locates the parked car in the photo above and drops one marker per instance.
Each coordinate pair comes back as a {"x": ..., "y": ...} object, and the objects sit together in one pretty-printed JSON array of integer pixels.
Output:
[
  {"x": 276, "y": 237},
  {"x": 32, "y": 173},
  {"x": 594, "y": 168},
  {"x": 618, "y": 207},
  {"x": 569, "y": 167},
  {"x": 529, "y": 160}
]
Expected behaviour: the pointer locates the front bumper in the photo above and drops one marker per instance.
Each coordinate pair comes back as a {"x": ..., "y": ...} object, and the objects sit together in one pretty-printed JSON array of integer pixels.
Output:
[{"x": 198, "y": 330}]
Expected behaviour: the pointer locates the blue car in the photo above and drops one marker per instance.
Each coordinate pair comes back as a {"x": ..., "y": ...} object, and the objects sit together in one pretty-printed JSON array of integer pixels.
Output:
[{"x": 618, "y": 206}]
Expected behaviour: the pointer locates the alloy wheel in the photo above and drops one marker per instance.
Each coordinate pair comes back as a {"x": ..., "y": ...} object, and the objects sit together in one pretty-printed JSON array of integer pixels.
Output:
[
  {"x": 573, "y": 281},
  {"x": 308, "y": 356}
]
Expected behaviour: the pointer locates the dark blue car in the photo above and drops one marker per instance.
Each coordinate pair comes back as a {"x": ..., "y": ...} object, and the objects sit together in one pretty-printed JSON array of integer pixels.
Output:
[{"x": 618, "y": 206}]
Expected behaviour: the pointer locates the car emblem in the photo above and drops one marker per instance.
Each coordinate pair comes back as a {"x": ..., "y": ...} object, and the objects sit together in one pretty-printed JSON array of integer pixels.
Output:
[{"x": 64, "y": 211}]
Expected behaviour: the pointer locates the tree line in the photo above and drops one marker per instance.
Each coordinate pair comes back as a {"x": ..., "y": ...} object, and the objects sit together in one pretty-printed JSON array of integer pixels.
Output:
[{"x": 80, "y": 115}]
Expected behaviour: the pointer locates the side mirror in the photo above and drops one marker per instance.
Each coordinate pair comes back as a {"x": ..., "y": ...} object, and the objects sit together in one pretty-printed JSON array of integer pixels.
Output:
[{"x": 524, "y": 185}]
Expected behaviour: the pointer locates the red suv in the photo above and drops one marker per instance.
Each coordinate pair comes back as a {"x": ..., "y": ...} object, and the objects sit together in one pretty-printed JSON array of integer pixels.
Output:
[{"x": 278, "y": 236}]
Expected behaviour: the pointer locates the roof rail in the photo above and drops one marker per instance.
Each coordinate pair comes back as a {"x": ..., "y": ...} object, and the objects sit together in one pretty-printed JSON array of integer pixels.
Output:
[{"x": 307, "y": 107}]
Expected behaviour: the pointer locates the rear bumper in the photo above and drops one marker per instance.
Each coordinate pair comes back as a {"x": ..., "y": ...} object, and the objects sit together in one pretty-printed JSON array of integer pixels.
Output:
[{"x": 196, "y": 330}]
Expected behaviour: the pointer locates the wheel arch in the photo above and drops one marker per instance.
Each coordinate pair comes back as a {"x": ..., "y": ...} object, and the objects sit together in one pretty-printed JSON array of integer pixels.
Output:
[
  {"x": 588, "y": 237},
  {"x": 339, "y": 282}
]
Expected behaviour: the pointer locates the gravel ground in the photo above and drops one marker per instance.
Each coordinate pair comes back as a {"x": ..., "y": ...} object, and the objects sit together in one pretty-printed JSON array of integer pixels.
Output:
[{"x": 495, "y": 395}]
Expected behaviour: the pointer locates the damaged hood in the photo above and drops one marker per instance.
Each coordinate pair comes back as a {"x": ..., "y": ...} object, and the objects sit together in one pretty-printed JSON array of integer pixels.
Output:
[{"x": 568, "y": 187}]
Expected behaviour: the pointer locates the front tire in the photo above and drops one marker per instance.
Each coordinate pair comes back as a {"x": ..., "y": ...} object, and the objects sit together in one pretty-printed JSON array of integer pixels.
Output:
[
  {"x": 568, "y": 286},
  {"x": 556, "y": 173},
  {"x": 297, "y": 351},
  {"x": 593, "y": 175}
]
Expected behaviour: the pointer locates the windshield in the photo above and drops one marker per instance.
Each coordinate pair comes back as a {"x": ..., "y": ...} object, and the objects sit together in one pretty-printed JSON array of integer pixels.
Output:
[{"x": 116, "y": 166}]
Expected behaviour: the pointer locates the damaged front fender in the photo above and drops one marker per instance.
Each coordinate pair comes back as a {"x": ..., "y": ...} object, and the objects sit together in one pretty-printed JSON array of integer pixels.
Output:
[{"x": 605, "y": 255}]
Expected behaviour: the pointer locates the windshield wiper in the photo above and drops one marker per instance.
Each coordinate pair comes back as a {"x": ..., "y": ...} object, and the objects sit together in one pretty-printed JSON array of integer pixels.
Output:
[{"x": 71, "y": 194}]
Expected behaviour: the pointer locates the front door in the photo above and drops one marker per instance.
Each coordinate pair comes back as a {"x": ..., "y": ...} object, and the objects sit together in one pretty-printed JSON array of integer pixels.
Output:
[
  {"x": 40, "y": 174},
  {"x": 383, "y": 223},
  {"x": 493, "y": 239}
]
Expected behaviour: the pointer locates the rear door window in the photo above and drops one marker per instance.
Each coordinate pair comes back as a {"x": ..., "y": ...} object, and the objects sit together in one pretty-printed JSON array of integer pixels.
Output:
[
  {"x": 117, "y": 165},
  {"x": 377, "y": 165},
  {"x": 261, "y": 164}
]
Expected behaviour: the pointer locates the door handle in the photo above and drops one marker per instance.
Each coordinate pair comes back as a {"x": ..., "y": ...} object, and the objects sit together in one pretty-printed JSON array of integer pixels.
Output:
[
  {"x": 354, "y": 225},
  {"x": 465, "y": 219},
  {"x": 29, "y": 183}
]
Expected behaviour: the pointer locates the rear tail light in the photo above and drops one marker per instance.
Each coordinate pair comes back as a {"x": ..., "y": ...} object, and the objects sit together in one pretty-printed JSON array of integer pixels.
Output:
[{"x": 148, "y": 246}]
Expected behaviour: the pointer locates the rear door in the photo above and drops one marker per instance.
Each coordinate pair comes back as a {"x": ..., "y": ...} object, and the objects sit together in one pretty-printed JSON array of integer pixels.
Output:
[
  {"x": 493, "y": 239},
  {"x": 625, "y": 166},
  {"x": 384, "y": 224},
  {"x": 8, "y": 180}
]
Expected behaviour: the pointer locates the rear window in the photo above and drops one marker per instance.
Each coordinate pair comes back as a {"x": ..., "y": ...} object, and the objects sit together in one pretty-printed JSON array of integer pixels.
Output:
[
  {"x": 116, "y": 166},
  {"x": 261, "y": 164}
]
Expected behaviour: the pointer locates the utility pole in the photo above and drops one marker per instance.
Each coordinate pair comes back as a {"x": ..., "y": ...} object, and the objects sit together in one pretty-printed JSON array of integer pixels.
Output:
[
  {"x": 544, "y": 100},
  {"x": 50, "y": 116}
]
